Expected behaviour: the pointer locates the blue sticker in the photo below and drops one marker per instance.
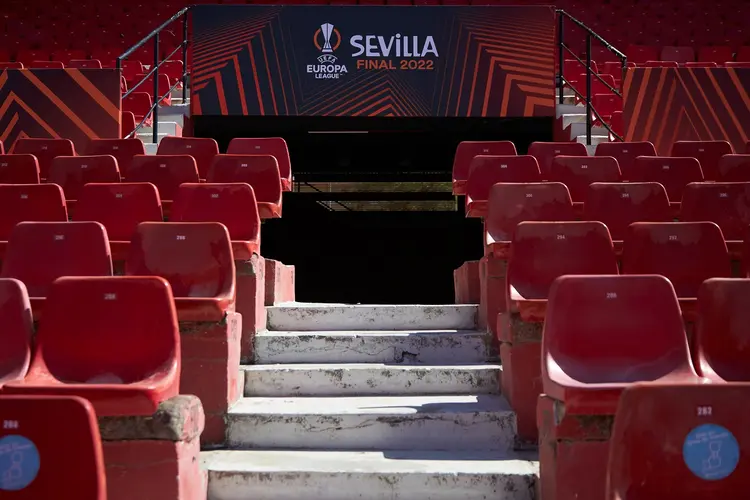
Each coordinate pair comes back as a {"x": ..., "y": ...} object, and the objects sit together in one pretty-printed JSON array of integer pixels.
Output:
[
  {"x": 711, "y": 452},
  {"x": 19, "y": 463}
]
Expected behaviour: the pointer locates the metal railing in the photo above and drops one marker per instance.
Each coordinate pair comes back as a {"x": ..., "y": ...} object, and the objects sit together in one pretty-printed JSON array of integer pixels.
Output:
[
  {"x": 563, "y": 83},
  {"x": 156, "y": 98}
]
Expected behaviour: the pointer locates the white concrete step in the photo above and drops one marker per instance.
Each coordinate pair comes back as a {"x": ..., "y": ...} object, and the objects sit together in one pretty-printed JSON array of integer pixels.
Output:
[
  {"x": 456, "y": 423},
  {"x": 425, "y": 347},
  {"x": 369, "y": 379},
  {"x": 332, "y": 317},
  {"x": 398, "y": 475}
]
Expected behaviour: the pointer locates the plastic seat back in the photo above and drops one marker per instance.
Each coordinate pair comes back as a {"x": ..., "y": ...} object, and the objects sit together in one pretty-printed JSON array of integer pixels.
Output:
[
  {"x": 722, "y": 342},
  {"x": 201, "y": 148},
  {"x": 641, "y": 53},
  {"x": 72, "y": 172},
  {"x": 139, "y": 103},
  {"x": 620, "y": 204},
  {"x": 734, "y": 168},
  {"x": 718, "y": 54},
  {"x": 40, "y": 252},
  {"x": 44, "y": 150},
  {"x": 119, "y": 207},
  {"x": 122, "y": 149},
  {"x": 486, "y": 171},
  {"x": 577, "y": 172},
  {"x": 687, "y": 253},
  {"x": 467, "y": 150},
  {"x": 166, "y": 172},
  {"x": 545, "y": 152},
  {"x": 19, "y": 169},
  {"x": 109, "y": 330},
  {"x": 612, "y": 330},
  {"x": 70, "y": 461},
  {"x": 510, "y": 204},
  {"x": 671, "y": 172},
  {"x": 16, "y": 332},
  {"x": 194, "y": 257},
  {"x": 85, "y": 64},
  {"x": 725, "y": 203},
  {"x": 542, "y": 251},
  {"x": 30, "y": 202},
  {"x": 625, "y": 153},
  {"x": 686, "y": 441},
  {"x": 708, "y": 153},
  {"x": 260, "y": 171},
  {"x": 678, "y": 54},
  {"x": 274, "y": 146}
]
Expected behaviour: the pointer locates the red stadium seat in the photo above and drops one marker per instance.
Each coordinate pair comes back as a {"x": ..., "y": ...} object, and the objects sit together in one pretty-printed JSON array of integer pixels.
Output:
[
  {"x": 617, "y": 126},
  {"x": 577, "y": 172},
  {"x": 274, "y": 146},
  {"x": 544, "y": 152},
  {"x": 11, "y": 65},
  {"x": 743, "y": 54},
  {"x": 603, "y": 333},
  {"x": 29, "y": 202},
  {"x": 44, "y": 150},
  {"x": 72, "y": 172},
  {"x": 510, "y": 204},
  {"x": 122, "y": 149},
  {"x": 139, "y": 103},
  {"x": 85, "y": 64},
  {"x": 120, "y": 208},
  {"x": 19, "y": 169},
  {"x": 607, "y": 104},
  {"x": 196, "y": 259},
  {"x": 69, "y": 461},
  {"x": 618, "y": 205},
  {"x": 202, "y": 149},
  {"x": 701, "y": 65},
  {"x": 685, "y": 441},
  {"x": 687, "y": 253},
  {"x": 260, "y": 171},
  {"x": 718, "y": 54},
  {"x": 678, "y": 54},
  {"x": 722, "y": 350},
  {"x": 15, "y": 335},
  {"x": 173, "y": 69},
  {"x": 467, "y": 150},
  {"x": 131, "y": 69},
  {"x": 737, "y": 64},
  {"x": 128, "y": 123},
  {"x": 111, "y": 340},
  {"x": 725, "y": 203},
  {"x": 674, "y": 173},
  {"x": 46, "y": 65},
  {"x": 732, "y": 168},
  {"x": 640, "y": 54},
  {"x": 164, "y": 86},
  {"x": 708, "y": 153},
  {"x": 661, "y": 64},
  {"x": 597, "y": 86},
  {"x": 40, "y": 252},
  {"x": 67, "y": 55},
  {"x": 233, "y": 205},
  {"x": 166, "y": 172},
  {"x": 625, "y": 153},
  {"x": 542, "y": 251},
  {"x": 27, "y": 56},
  {"x": 486, "y": 171}
]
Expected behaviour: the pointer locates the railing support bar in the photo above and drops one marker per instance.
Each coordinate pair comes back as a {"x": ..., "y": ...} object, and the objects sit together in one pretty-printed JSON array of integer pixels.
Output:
[
  {"x": 561, "y": 56},
  {"x": 588, "y": 89},
  {"x": 155, "y": 116}
]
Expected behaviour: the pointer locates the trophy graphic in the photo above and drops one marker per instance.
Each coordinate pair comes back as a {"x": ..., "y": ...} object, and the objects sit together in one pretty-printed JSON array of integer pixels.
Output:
[{"x": 327, "y": 30}]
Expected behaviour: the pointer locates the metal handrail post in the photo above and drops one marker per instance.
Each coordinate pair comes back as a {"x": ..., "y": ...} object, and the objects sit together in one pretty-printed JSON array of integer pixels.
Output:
[
  {"x": 588, "y": 89},
  {"x": 155, "y": 114},
  {"x": 184, "y": 56},
  {"x": 561, "y": 56}
]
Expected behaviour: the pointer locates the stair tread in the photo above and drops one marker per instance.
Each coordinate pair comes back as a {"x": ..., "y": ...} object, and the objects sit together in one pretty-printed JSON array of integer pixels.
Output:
[
  {"x": 367, "y": 366},
  {"x": 281, "y": 333}
]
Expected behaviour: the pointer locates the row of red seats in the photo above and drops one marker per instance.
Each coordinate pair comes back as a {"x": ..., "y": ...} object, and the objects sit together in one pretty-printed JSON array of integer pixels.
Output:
[
  {"x": 120, "y": 208},
  {"x": 670, "y": 425},
  {"x": 708, "y": 155},
  {"x": 203, "y": 150}
]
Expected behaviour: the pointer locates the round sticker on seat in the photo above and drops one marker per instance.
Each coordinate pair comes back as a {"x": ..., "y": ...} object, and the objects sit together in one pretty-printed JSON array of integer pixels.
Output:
[
  {"x": 19, "y": 463},
  {"x": 711, "y": 452}
]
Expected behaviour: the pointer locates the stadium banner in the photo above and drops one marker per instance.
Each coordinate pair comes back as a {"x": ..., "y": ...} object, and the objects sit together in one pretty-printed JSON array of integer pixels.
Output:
[
  {"x": 75, "y": 104},
  {"x": 664, "y": 105},
  {"x": 422, "y": 61}
]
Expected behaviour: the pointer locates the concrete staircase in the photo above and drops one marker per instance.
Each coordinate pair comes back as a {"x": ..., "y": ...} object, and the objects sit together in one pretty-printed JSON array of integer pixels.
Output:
[{"x": 372, "y": 402}]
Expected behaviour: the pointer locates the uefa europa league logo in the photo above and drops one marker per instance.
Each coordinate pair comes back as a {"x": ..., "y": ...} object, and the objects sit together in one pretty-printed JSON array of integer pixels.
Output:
[
  {"x": 331, "y": 38},
  {"x": 327, "y": 30}
]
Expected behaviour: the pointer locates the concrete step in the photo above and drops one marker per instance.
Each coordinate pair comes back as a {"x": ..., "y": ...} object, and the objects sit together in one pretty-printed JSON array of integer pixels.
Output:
[
  {"x": 369, "y": 379},
  {"x": 397, "y": 475},
  {"x": 425, "y": 347},
  {"x": 336, "y": 317},
  {"x": 456, "y": 423}
]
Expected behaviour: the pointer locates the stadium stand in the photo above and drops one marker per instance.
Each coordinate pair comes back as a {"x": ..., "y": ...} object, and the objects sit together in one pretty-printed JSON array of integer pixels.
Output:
[
  {"x": 19, "y": 169},
  {"x": 260, "y": 171},
  {"x": 702, "y": 435},
  {"x": 486, "y": 171},
  {"x": 70, "y": 461},
  {"x": 92, "y": 342},
  {"x": 15, "y": 315}
]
